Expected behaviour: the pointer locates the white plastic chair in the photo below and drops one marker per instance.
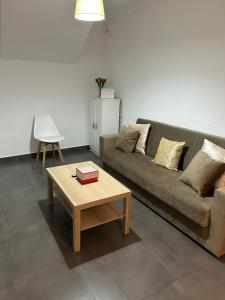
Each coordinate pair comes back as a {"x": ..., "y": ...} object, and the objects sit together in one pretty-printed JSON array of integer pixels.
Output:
[{"x": 46, "y": 132}]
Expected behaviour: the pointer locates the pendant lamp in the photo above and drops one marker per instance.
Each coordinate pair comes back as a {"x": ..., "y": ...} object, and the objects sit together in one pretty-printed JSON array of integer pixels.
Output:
[{"x": 90, "y": 10}]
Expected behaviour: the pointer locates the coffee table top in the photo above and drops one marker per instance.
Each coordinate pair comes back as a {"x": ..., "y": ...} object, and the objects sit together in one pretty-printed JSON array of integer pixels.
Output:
[{"x": 107, "y": 189}]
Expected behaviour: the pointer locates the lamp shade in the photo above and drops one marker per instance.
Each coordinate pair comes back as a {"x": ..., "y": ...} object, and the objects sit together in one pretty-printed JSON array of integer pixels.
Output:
[{"x": 90, "y": 10}]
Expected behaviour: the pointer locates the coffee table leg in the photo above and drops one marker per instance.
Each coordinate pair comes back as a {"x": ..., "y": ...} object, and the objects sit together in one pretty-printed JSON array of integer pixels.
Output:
[
  {"x": 126, "y": 212},
  {"x": 76, "y": 229},
  {"x": 50, "y": 191}
]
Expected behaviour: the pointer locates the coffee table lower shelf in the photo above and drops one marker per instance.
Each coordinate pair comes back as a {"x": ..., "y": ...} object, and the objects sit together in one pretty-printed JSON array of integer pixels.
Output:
[{"x": 98, "y": 215}]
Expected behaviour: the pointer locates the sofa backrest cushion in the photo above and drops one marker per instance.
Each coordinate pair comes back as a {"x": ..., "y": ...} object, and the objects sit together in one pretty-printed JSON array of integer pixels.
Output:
[{"x": 193, "y": 139}]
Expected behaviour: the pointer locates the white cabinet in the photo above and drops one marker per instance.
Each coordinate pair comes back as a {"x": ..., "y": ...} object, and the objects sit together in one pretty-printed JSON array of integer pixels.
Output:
[{"x": 104, "y": 119}]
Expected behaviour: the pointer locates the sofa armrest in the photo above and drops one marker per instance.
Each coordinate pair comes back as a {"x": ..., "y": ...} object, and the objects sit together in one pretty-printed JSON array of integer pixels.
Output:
[
  {"x": 107, "y": 142},
  {"x": 216, "y": 243}
]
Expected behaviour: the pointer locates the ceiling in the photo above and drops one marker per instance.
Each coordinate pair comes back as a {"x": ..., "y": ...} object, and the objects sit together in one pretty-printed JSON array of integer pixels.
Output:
[
  {"x": 114, "y": 6},
  {"x": 45, "y": 30}
]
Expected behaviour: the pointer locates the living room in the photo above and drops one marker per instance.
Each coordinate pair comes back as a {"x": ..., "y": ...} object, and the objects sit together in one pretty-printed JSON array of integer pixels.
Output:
[{"x": 129, "y": 95}]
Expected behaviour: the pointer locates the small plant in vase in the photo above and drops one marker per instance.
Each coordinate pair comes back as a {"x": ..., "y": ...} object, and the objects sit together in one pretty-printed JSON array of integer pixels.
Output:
[{"x": 101, "y": 83}]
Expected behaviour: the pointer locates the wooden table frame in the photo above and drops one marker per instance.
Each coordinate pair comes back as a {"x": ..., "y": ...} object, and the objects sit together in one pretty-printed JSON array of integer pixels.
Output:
[{"x": 92, "y": 214}]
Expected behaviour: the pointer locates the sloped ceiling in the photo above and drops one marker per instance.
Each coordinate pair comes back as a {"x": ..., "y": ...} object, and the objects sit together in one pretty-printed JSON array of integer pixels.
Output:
[
  {"x": 45, "y": 30},
  {"x": 114, "y": 6},
  {"x": 41, "y": 30}
]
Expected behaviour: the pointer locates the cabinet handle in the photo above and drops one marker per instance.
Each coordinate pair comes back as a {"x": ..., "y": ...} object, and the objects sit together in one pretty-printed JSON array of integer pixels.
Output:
[{"x": 93, "y": 126}]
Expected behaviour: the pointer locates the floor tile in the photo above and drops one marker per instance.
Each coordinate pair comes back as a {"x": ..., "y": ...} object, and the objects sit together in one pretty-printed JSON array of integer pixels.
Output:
[
  {"x": 170, "y": 292},
  {"x": 136, "y": 271},
  {"x": 164, "y": 265},
  {"x": 54, "y": 283}
]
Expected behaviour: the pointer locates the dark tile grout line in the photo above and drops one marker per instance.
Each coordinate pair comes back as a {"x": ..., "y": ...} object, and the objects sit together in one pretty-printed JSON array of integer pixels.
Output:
[
  {"x": 33, "y": 188},
  {"x": 18, "y": 278},
  {"x": 158, "y": 214},
  {"x": 20, "y": 159},
  {"x": 164, "y": 287},
  {"x": 30, "y": 164},
  {"x": 82, "y": 271},
  {"x": 87, "y": 281}
]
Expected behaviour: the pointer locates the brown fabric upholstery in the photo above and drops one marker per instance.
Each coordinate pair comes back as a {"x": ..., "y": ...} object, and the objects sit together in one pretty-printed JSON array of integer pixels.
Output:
[
  {"x": 161, "y": 183},
  {"x": 131, "y": 165},
  {"x": 193, "y": 139},
  {"x": 216, "y": 243},
  {"x": 202, "y": 173},
  {"x": 203, "y": 219},
  {"x": 107, "y": 142},
  {"x": 127, "y": 139}
]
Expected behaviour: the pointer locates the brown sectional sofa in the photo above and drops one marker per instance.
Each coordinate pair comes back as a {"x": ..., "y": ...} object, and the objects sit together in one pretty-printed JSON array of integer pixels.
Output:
[{"x": 203, "y": 219}]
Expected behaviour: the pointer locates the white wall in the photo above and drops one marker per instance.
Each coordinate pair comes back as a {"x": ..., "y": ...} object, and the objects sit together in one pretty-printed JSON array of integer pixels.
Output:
[
  {"x": 63, "y": 90},
  {"x": 166, "y": 60}
]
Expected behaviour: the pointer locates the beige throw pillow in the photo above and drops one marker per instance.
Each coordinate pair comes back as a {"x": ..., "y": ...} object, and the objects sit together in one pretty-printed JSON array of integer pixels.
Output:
[
  {"x": 216, "y": 153},
  {"x": 202, "y": 173},
  {"x": 127, "y": 139},
  {"x": 169, "y": 153},
  {"x": 141, "y": 143}
]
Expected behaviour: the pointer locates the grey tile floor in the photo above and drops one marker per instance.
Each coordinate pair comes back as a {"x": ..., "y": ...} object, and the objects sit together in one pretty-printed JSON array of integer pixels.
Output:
[{"x": 164, "y": 265}]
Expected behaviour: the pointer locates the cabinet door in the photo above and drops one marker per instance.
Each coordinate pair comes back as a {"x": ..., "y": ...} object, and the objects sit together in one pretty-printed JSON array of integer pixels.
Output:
[
  {"x": 92, "y": 118},
  {"x": 98, "y": 125},
  {"x": 110, "y": 116}
]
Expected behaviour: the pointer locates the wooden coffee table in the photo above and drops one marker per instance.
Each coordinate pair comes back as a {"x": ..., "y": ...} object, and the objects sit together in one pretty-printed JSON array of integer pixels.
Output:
[{"x": 92, "y": 204}]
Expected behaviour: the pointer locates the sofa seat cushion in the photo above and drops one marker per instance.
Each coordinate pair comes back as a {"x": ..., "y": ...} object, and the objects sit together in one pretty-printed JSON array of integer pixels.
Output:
[
  {"x": 162, "y": 183},
  {"x": 184, "y": 199},
  {"x": 136, "y": 167}
]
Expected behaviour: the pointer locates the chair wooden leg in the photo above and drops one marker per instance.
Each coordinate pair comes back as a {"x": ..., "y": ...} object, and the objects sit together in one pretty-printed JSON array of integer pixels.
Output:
[
  {"x": 44, "y": 154},
  {"x": 60, "y": 153},
  {"x": 53, "y": 150},
  {"x": 39, "y": 150}
]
